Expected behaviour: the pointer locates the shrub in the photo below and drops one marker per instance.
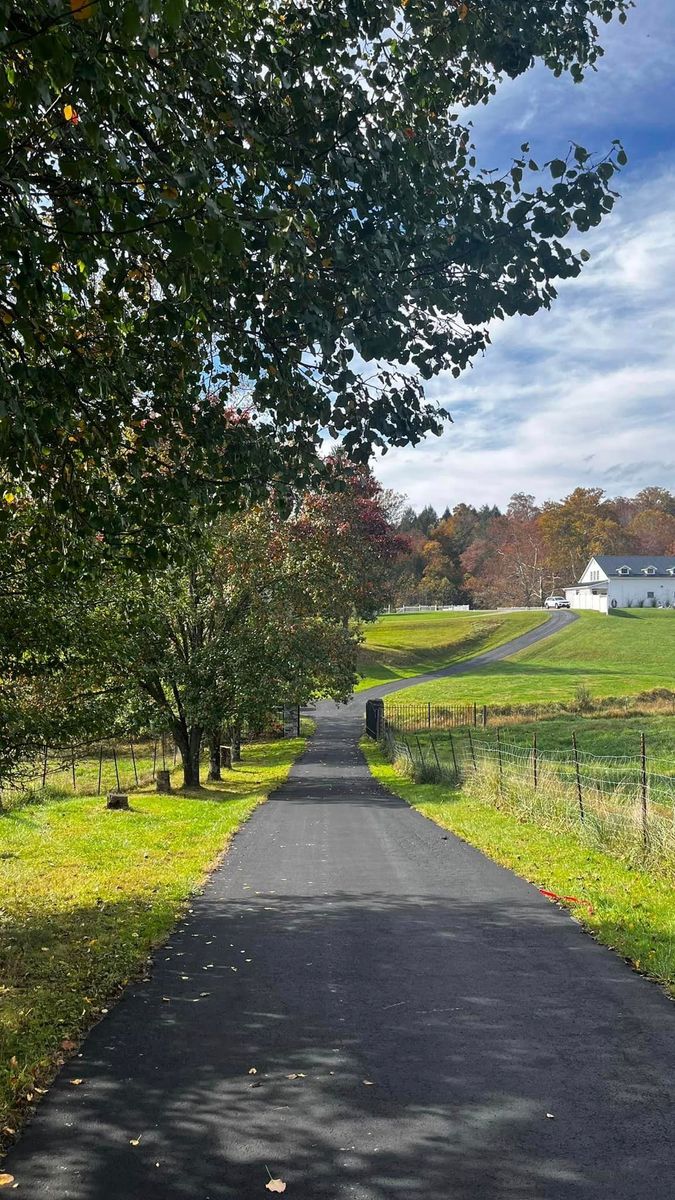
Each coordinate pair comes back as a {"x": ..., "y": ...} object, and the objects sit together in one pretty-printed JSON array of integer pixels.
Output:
[{"x": 583, "y": 700}]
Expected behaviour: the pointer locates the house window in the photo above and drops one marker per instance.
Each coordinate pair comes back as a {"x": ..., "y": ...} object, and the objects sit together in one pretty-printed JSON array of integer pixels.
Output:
[
  {"x": 649, "y": 570},
  {"x": 650, "y": 595},
  {"x": 623, "y": 571}
]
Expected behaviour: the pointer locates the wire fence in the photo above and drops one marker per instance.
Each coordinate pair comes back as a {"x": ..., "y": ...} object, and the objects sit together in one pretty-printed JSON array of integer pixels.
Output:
[
  {"x": 90, "y": 768},
  {"x": 623, "y": 803}
]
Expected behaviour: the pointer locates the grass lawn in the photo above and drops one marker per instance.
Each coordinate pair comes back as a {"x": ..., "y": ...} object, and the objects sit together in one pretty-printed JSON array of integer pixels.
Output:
[
  {"x": 634, "y": 913},
  {"x": 629, "y": 652},
  {"x": 397, "y": 647},
  {"x": 85, "y": 893}
]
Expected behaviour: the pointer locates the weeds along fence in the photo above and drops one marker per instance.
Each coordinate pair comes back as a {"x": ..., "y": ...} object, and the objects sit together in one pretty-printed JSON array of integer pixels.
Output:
[{"x": 622, "y": 804}]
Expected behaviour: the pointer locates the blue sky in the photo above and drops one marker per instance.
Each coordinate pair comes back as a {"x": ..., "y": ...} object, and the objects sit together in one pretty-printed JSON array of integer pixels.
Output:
[{"x": 583, "y": 394}]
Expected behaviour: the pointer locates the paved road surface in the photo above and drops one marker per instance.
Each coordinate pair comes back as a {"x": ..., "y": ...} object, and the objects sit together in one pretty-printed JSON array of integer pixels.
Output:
[{"x": 434, "y": 1007}]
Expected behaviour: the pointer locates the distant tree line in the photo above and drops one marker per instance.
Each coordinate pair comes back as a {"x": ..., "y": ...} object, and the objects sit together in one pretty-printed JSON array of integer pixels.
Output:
[{"x": 487, "y": 557}]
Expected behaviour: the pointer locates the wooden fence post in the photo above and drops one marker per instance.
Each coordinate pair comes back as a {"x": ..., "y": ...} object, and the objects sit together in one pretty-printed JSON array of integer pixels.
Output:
[
  {"x": 117, "y": 770},
  {"x": 578, "y": 775},
  {"x": 44, "y": 766},
  {"x": 475, "y": 714},
  {"x": 643, "y": 792},
  {"x": 72, "y": 766},
  {"x": 429, "y": 714}
]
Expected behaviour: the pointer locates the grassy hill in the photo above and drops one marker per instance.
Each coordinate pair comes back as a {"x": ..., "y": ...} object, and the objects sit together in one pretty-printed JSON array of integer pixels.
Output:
[
  {"x": 629, "y": 652},
  {"x": 398, "y": 647}
]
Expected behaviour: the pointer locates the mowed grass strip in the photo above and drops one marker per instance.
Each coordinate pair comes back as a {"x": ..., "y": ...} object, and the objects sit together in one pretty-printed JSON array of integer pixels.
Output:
[
  {"x": 85, "y": 893},
  {"x": 620, "y": 655},
  {"x": 633, "y": 912},
  {"x": 400, "y": 646}
]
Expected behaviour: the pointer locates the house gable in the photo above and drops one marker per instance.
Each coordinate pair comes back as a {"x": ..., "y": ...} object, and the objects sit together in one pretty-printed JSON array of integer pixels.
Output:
[{"x": 593, "y": 573}]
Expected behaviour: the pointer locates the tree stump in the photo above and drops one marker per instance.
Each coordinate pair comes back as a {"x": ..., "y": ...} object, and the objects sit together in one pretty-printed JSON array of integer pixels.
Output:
[
  {"x": 164, "y": 781},
  {"x": 226, "y": 757},
  {"x": 117, "y": 800}
]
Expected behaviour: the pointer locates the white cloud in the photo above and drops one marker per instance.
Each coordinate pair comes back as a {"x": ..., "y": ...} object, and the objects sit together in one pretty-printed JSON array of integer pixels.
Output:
[{"x": 584, "y": 394}]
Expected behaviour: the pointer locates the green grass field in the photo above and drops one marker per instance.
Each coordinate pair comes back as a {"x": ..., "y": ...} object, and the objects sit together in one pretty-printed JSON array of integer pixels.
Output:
[
  {"x": 85, "y": 895},
  {"x": 629, "y": 652},
  {"x": 606, "y": 736},
  {"x": 633, "y": 910},
  {"x": 398, "y": 647}
]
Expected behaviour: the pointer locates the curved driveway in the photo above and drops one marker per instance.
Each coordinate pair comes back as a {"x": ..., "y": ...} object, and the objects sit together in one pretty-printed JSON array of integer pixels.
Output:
[{"x": 422, "y": 1024}]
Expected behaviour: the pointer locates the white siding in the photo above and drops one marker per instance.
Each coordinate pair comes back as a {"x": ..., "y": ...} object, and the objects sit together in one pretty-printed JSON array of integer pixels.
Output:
[
  {"x": 624, "y": 591},
  {"x": 629, "y": 590},
  {"x": 587, "y": 598}
]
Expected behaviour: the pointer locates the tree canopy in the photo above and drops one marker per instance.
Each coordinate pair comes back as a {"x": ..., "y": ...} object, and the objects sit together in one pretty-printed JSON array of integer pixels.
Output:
[{"x": 213, "y": 216}]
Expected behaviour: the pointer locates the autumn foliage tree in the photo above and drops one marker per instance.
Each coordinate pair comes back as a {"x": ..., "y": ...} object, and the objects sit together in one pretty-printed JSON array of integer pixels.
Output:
[
  {"x": 519, "y": 556},
  {"x": 207, "y": 208}
]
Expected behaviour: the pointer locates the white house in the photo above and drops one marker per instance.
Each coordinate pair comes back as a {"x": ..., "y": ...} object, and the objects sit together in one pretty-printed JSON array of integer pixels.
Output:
[{"x": 625, "y": 581}]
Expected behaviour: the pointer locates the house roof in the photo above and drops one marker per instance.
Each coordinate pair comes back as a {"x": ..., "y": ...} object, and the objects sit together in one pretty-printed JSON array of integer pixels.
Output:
[
  {"x": 610, "y": 563},
  {"x": 598, "y": 584}
]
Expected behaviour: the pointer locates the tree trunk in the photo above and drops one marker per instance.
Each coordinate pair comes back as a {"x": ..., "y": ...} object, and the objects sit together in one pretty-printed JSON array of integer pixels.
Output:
[
  {"x": 236, "y": 742},
  {"x": 214, "y": 755},
  {"x": 189, "y": 742}
]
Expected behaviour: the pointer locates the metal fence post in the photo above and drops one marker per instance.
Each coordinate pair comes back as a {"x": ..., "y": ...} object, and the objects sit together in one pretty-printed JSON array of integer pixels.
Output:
[
  {"x": 534, "y": 759},
  {"x": 100, "y": 769},
  {"x": 133, "y": 760},
  {"x": 643, "y": 792},
  {"x": 117, "y": 772},
  {"x": 44, "y": 766},
  {"x": 578, "y": 775},
  {"x": 433, "y": 747},
  {"x": 473, "y": 756},
  {"x": 429, "y": 715},
  {"x": 485, "y": 716},
  {"x": 501, "y": 765},
  {"x": 454, "y": 756},
  {"x": 72, "y": 766},
  {"x": 154, "y": 759}
]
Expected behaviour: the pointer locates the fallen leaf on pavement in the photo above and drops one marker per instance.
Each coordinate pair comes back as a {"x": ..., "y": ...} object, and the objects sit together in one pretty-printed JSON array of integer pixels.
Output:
[
  {"x": 367, "y": 1083},
  {"x": 135, "y": 1141},
  {"x": 296, "y": 1075},
  {"x": 76, "y": 1082},
  {"x": 253, "y": 1071},
  {"x": 275, "y": 1185},
  {"x": 5, "y": 1180},
  {"x": 550, "y": 1115}
]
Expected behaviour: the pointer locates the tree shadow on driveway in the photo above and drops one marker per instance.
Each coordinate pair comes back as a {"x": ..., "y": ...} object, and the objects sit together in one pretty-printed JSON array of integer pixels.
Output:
[{"x": 406, "y": 1046}]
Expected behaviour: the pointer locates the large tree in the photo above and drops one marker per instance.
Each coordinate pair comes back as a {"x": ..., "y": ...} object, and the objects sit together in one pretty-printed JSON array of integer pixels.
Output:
[{"x": 212, "y": 215}]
